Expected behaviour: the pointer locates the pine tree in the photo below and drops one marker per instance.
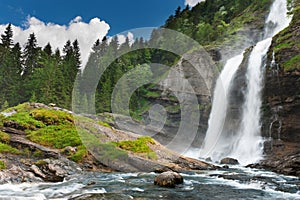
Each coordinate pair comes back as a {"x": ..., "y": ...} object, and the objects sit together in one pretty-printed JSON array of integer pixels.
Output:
[
  {"x": 48, "y": 49},
  {"x": 30, "y": 55},
  {"x": 6, "y": 38}
]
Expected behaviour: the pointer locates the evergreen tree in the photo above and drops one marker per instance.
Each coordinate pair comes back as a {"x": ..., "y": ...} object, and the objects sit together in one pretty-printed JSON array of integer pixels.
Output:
[
  {"x": 48, "y": 49},
  {"x": 7, "y": 37},
  {"x": 30, "y": 55}
]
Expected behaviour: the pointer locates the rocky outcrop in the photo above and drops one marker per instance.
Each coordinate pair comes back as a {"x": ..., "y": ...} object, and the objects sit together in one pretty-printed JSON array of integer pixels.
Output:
[
  {"x": 168, "y": 179},
  {"x": 281, "y": 100},
  {"x": 32, "y": 162}
]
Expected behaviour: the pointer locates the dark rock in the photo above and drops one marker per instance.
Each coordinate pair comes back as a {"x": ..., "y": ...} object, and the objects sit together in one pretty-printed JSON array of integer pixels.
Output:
[
  {"x": 225, "y": 167},
  {"x": 168, "y": 179},
  {"x": 208, "y": 159},
  {"x": 229, "y": 161},
  {"x": 14, "y": 125},
  {"x": 13, "y": 131}
]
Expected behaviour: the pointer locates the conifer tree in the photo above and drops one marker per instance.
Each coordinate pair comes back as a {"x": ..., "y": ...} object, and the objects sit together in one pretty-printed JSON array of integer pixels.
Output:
[{"x": 7, "y": 37}]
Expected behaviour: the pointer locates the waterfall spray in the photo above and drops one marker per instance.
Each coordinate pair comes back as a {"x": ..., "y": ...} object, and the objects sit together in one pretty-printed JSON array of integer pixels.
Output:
[{"x": 246, "y": 144}]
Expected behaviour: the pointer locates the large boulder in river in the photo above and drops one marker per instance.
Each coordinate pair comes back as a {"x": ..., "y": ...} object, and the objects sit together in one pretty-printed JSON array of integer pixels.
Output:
[
  {"x": 168, "y": 179},
  {"x": 229, "y": 161}
]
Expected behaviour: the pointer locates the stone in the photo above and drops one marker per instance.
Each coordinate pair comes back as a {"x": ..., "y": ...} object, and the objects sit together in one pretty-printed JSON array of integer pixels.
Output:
[
  {"x": 168, "y": 179},
  {"x": 70, "y": 150},
  {"x": 229, "y": 161}
]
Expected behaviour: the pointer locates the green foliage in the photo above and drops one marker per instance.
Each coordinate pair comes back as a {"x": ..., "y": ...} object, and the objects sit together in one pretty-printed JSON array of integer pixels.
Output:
[
  {"x": 139, "y": 145},
  {"x": 293, "y": 63},
  {"x": 38, "y": 153},
  {"x": 25, "y": 121},
  {"x": 57, "y": 136},
  {"x": 5, "y": 148},
  {"x": 79, "y": 155},
  {"x": 104, "y": 124},
  {"x": 4, "y": 106},
  {"x": 2, "y": 165},
  {"x": 40, "y": 163},
  {"x": 4, "y": 137},
  {"x": 107, "y": 152},
  {"x": 52, "y": 117}
]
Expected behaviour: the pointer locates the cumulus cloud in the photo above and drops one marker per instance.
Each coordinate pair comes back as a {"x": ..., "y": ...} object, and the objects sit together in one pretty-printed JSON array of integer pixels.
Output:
[
  {"x": 192, "y": 2},
  {"x": 57, "y": 35}
]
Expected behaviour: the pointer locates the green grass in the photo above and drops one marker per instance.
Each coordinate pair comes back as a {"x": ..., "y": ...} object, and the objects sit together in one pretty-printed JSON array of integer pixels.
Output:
[
  {"x": 5, "y": 148},
  {"x": 57, "y": 136},
  {"x": 25, "y": 121},
  {"x": 2, "y": 165},
  {"x": 51, "y": 117},
  {"x": 4, "y": 137},
  {"x": 79, "y": 155},
  {"x": 104, "y": 124},
  {"x": 139, "y": 145},
  {"x": 293, "y": 63}
]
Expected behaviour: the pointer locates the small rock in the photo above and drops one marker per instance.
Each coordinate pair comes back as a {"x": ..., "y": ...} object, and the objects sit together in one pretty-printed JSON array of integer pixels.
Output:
[
  {"x": 208, "y": 159},
  {"x": 168, "y": 179},
  {"x": 229, "y": 161},
  {"x": 70, "y": 150},
  {"x": 225, "y": 167},
  {"x": 37, "y": 171}
]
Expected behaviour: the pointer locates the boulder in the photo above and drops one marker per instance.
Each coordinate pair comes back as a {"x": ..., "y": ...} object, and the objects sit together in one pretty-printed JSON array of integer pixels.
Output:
[
  {"x": 168, "y": 179},
  {"x": 229, "y": 161}
]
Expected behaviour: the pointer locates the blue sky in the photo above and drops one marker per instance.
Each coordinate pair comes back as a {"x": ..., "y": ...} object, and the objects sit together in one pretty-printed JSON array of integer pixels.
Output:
[
  {"x": 120, "y": 15},
  {"x": 57, "y": 21}
]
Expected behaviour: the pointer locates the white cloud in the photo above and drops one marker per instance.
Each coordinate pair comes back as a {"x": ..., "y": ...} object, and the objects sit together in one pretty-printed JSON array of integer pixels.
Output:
[
  {"x": 192, "y": 2},
  {"x": 122, "y": 38},
  {"x": 57, "y": 35}
]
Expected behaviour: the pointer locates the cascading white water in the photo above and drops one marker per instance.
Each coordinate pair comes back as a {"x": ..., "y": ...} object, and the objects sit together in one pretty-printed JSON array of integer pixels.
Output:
[
  {"x": 246, "y": 143},
  {"x": 219, "y": 109}
]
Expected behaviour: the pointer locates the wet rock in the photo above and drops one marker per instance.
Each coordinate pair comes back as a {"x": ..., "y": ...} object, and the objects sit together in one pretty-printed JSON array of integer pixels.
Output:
[
  {"x": 229, "y": 161},
  {"x": 168, "y": 179},
  {"x": 17, "y": 174},
  {"x": 55, "y": 170}
]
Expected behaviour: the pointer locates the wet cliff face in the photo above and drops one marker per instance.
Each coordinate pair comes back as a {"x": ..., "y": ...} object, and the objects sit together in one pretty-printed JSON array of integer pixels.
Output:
[{"x": 281, "y": 98}]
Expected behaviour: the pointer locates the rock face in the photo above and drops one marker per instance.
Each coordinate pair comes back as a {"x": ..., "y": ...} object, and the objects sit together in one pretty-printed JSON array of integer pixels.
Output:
[
  {"x": 168, "y": 179},
  {"x": 281, "y": 101},
  {"x": 229, "y": 161}
]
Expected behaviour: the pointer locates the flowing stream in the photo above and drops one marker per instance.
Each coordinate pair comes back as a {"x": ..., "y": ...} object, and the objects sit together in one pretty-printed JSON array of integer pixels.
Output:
[
  {"x": 234, "y": 183},
  {"x": 246, "y": 143}
]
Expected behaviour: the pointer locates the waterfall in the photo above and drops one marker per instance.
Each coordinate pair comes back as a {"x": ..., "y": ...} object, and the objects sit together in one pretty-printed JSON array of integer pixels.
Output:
[
  {"x": 219, "y": 109},
  {"x": 246, "y": 143}
]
